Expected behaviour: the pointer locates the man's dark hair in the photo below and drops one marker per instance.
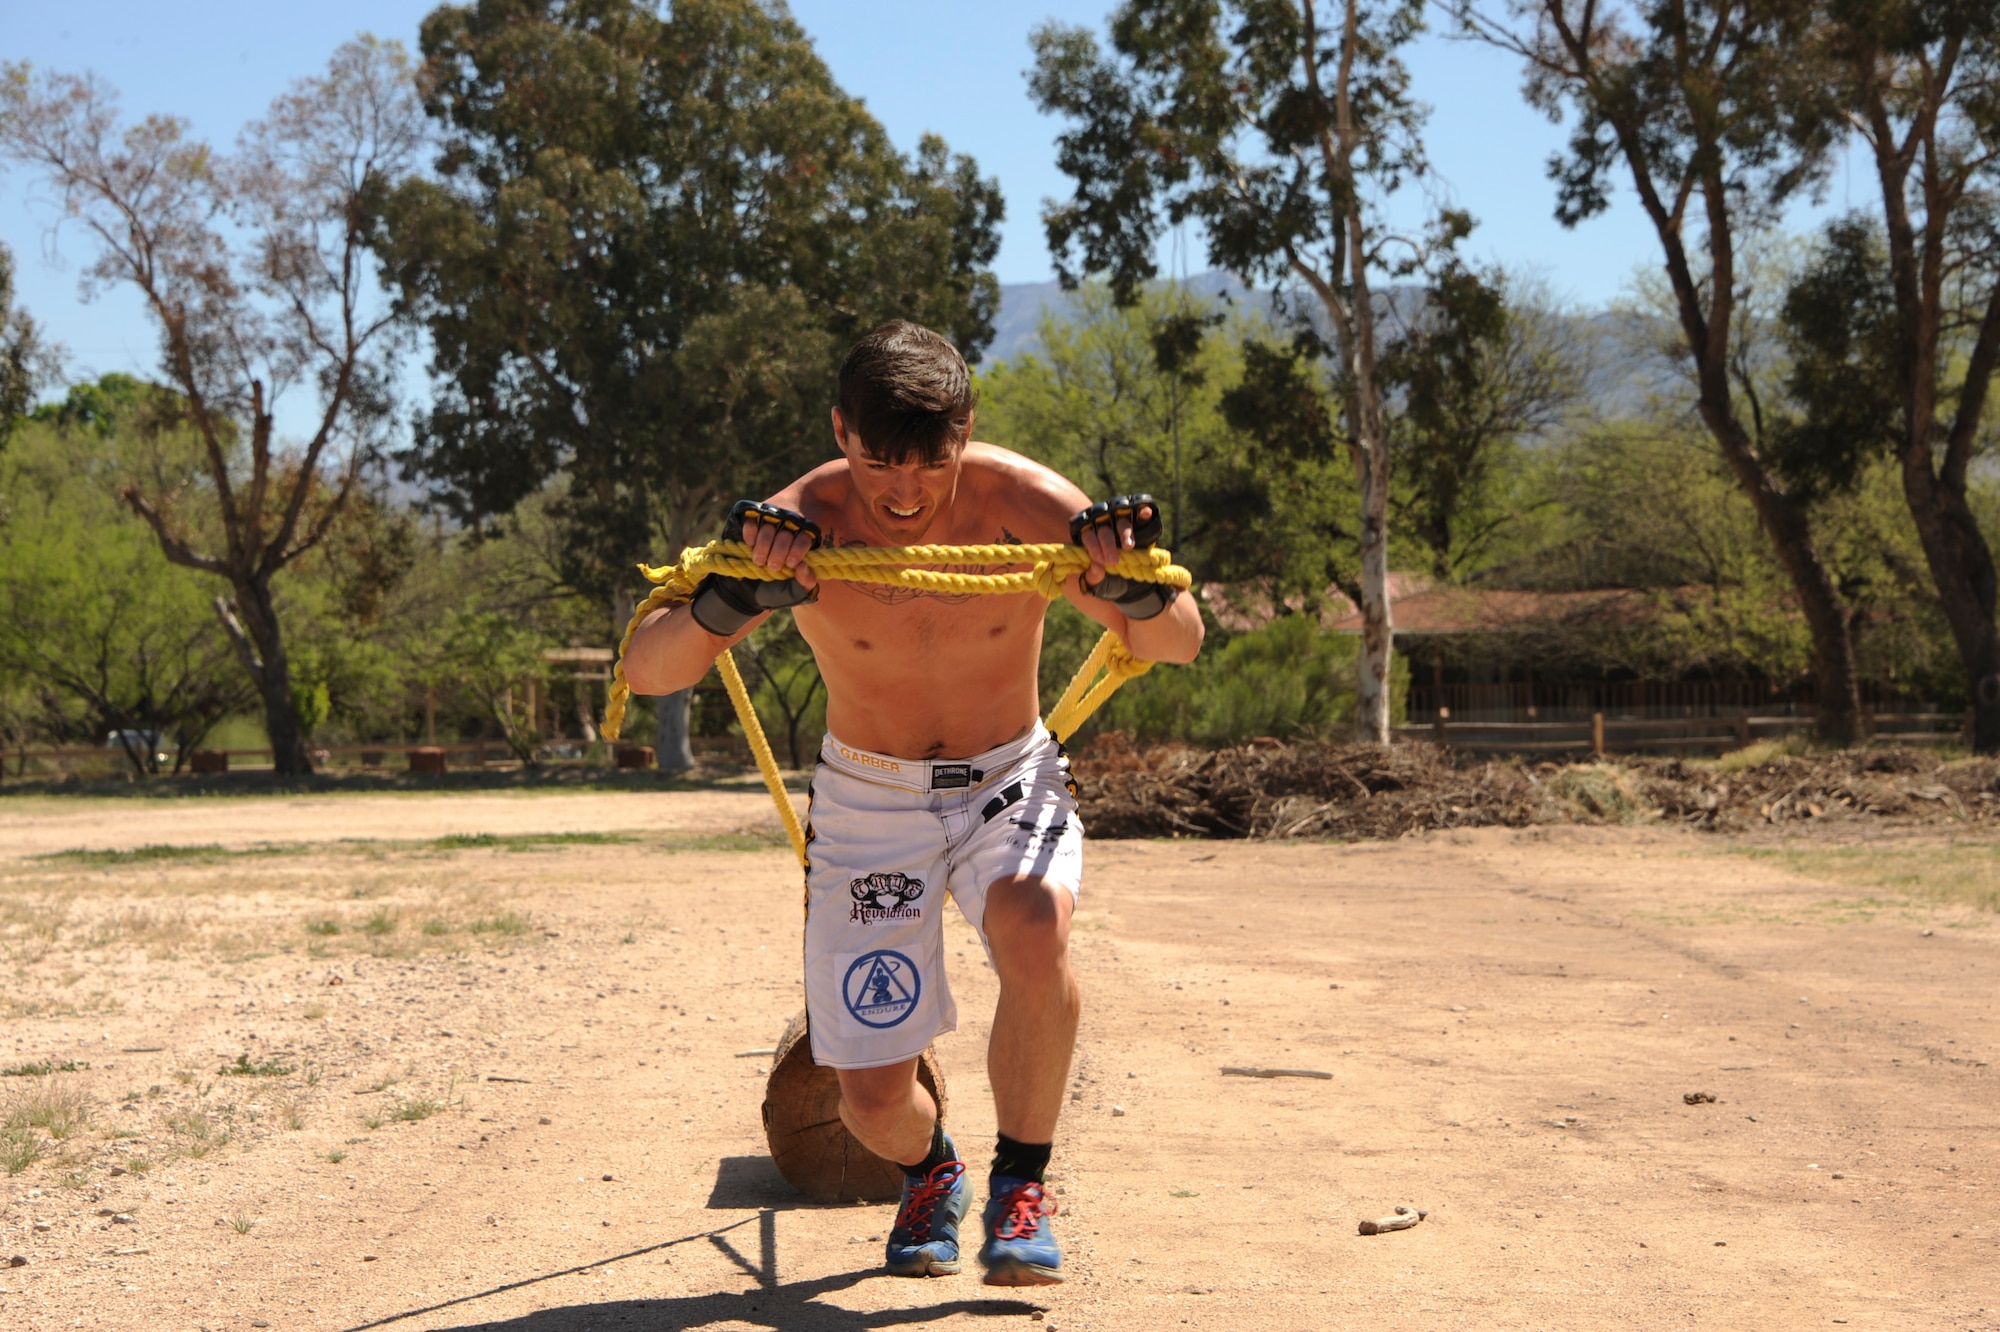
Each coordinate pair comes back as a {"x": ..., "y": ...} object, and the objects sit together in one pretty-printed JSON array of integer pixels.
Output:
[{"x": 905, "y": 390}]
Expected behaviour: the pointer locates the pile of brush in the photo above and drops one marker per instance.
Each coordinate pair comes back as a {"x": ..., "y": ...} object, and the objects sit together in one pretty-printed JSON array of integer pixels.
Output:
[{"x": 1354, "y": 792}]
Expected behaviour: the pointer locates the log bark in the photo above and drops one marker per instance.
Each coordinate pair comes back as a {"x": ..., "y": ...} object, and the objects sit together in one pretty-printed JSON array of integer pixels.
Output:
[{"x": 809, "y": 1144}]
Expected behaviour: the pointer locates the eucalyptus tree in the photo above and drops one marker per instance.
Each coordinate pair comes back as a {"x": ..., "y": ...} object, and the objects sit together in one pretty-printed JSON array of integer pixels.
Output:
[
  {"x": 649, "y": 238},
  {"x": 21, "y": 355},
  {"x": 1712, "y": 115},
  {"x": 1896, "y": 323},
  {"x": 1280, "y": 127}
]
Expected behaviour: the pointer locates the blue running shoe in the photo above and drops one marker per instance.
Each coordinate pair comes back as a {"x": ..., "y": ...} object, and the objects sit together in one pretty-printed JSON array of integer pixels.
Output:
[
  {"x": 1020, "y": 1245},
  {"x": 924, "y": 1240}
]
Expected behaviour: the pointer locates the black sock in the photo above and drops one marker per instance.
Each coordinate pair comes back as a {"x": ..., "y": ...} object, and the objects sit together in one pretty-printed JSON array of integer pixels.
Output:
[
  {"x": 1022, "y": 1160},
  {"x": 939, "y": 1154}
]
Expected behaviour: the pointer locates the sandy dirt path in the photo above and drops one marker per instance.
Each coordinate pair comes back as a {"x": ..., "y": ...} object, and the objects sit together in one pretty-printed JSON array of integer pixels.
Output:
[
  {"x": 1511, "y": 1021},
  {"x": 35, "y": 825}
]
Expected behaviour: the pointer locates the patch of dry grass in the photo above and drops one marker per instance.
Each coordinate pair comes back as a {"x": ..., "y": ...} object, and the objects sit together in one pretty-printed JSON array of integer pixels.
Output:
[
  {"x": 1965, "y": 872},
  {"x": 55, "y": 1105}
]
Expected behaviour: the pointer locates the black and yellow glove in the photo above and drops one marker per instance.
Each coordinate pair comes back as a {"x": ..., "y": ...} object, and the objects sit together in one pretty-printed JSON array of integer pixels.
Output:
[
  {"x": 723, "y": 604},
  {"x": 1138, "y": 600}
]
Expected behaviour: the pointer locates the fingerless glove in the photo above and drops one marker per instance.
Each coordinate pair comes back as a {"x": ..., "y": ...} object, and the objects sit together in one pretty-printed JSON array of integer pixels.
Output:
[
  {"x": 724, "y": 604},
  {"x": 1138, "y": 600}
]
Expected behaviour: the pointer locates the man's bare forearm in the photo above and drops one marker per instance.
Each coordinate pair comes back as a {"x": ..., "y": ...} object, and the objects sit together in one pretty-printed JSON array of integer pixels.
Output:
[
  {"x": 671, "y": 652},
  {"x": 1174, "y": 635}
]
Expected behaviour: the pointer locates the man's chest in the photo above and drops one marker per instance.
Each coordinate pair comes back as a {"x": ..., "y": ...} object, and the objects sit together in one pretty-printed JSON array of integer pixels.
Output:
[{"x": 919, "y": 624}]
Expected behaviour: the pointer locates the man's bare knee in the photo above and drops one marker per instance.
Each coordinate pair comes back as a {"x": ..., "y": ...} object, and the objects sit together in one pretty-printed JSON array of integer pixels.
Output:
[
  {"x": 1027, "y": 924},
  {"x": 879, "y": 1095}
]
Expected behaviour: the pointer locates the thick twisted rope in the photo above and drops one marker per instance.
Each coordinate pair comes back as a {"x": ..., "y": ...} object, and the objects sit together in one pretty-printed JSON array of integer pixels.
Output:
[{"x": 1109, "y": 665}]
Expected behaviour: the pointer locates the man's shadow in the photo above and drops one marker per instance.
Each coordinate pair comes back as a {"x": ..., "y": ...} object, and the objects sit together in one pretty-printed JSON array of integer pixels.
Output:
[{"x": 740, "y": 1182}]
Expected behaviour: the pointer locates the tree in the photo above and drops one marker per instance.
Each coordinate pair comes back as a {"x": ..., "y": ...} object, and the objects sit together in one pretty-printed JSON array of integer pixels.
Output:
[
  {"x": 1706, "y": 106},
  {"x": 493, "y": 656},
  {"x": 21, "y": 354},
  {"x": 648, "y": 242},
  {"x": 1899, "y": 320},
  {"x": 1477, "y": 370},
  {"x": 96, "y": 627},
  {"x": 1280, "y": 127},
  {"x": 253, "y": 270}
]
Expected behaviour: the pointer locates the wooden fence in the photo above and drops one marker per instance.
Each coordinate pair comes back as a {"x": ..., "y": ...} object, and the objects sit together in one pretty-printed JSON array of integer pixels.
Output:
[
  {"x": 1697, "y": 735},
  {"x": 51, "y": 763}
]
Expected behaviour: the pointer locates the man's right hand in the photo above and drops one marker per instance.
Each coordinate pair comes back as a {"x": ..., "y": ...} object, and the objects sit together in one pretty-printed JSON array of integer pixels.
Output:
[{"x": 778, "y": 539}]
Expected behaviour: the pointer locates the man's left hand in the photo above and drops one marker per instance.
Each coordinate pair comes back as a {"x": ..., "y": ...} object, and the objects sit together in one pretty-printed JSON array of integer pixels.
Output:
[{"x": 1109, "y": 528}]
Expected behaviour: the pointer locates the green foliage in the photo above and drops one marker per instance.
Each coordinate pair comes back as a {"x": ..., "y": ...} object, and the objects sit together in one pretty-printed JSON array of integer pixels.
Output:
[
  {"x": 1838, "y": 322},
  {"x": 244, "y": 1068},
  {"x": 493, "y": 656},
  {"x": 20, "y": 353},
  {"x": 1200, "y": 112},
  {"x": 1097, "y": 402},
  {"x": 1288, "y": 679},
  {"x": 98, "y": 632},
  {"x": 1480, "y": 371}
]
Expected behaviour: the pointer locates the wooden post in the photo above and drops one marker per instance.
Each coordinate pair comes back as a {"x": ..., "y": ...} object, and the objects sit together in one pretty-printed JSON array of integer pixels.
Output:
[
  {"x": 1597, "y": 734},
  {"x": 1441, "y": 726},
  {"x": 1743, "y": 732}
]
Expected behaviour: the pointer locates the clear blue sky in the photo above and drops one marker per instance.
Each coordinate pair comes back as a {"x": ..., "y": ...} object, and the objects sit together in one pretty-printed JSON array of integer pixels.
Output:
[{"x": 956, "y": 69}]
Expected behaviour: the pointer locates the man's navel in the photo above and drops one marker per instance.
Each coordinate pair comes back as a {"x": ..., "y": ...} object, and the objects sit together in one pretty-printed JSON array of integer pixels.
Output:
[{"x": 863, "y": 645}]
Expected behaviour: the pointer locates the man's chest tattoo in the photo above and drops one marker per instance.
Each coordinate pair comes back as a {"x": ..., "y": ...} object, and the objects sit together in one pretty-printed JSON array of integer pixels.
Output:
[{"x": 891, "y": 596}]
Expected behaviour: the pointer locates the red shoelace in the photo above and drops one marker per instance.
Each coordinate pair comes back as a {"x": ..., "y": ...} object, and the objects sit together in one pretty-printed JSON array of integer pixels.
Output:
[
  {"x": 1024, "y": 1209},
  {"x": 924, "y": 1198}
]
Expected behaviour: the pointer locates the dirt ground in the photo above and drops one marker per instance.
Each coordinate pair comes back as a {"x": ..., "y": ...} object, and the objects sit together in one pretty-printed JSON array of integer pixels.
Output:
[{"x": 497, "y": 1065}]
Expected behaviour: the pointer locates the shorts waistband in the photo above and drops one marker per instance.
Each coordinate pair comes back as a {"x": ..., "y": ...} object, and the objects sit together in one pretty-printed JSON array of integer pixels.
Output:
[{"x": 927, "y": 775}]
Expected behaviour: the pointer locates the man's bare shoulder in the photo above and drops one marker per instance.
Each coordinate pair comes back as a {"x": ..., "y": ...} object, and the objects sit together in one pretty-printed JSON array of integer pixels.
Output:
[
  {"x": 820, "y": 494},
  {"x": 1037, "y": 499}
]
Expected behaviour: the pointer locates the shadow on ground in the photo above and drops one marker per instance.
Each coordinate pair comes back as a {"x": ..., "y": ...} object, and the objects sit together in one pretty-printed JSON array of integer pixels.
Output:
[{"x": 791, "y": 1306}]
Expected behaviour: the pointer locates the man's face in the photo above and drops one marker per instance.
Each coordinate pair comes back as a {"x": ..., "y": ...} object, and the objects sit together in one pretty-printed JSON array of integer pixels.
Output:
[{"x": 903, "y": 499}]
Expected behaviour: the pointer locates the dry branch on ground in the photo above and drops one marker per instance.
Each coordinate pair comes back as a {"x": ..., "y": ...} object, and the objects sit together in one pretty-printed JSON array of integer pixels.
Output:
[{"x": 1368, "y": 792}]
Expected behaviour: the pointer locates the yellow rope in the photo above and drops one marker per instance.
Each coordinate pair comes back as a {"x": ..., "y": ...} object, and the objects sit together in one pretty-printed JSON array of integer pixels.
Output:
[
  {"x": 1109, "y": 665},
  {"x": 767, "y": 762}
]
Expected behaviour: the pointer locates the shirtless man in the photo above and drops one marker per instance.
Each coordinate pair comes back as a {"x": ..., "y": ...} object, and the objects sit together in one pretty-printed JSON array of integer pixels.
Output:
[{"x": 936, "y": 775}]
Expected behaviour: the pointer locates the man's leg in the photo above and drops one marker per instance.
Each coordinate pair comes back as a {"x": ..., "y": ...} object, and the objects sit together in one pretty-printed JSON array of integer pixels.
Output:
[
  {"x": 1034, "y": 1026},
  {"x": 888, "y": 1110},
  {"x": 895, "y": 1118},
  {"x": 1026, "y": 924}
]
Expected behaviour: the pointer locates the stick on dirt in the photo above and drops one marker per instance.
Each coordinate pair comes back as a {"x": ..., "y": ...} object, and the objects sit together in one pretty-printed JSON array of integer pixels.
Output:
[
  {"x": 1238, "y": 1071},
  {"x": 1403, "y": 1219}
]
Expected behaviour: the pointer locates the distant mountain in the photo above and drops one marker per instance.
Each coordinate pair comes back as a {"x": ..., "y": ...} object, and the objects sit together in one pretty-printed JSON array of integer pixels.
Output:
[
  {"x": 1015, "y": 330},
  {"x": 1626, "y": 364}
]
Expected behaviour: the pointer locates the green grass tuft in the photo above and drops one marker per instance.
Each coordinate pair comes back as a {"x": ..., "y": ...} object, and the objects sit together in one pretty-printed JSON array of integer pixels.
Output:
[
  {"x": 243, "y": 1068},
  {"x": 414, "y": 1109},
  {"x": 43, "y": 1069}
]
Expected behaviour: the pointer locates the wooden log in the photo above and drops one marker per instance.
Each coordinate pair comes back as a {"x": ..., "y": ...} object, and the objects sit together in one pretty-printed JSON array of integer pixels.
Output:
[
  {"x": 1404, "y": 1218},
  {"x": 810, "y": 1146},
  {"x": 1239, "y": 1071}
]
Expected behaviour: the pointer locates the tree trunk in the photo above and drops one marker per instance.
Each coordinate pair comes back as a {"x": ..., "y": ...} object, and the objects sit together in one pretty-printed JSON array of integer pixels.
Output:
[
  {"x": 670, "y": 731},
  {"x": 1837, "y": 713},
  {"x": 252, "y": 624},
  {"x": 1962, "y": 571},
  {"x": 1371, "y": 712}
]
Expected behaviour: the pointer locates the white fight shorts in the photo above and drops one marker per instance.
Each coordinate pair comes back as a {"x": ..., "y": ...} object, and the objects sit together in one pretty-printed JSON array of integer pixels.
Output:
[{"x": 888, "y": 839}]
